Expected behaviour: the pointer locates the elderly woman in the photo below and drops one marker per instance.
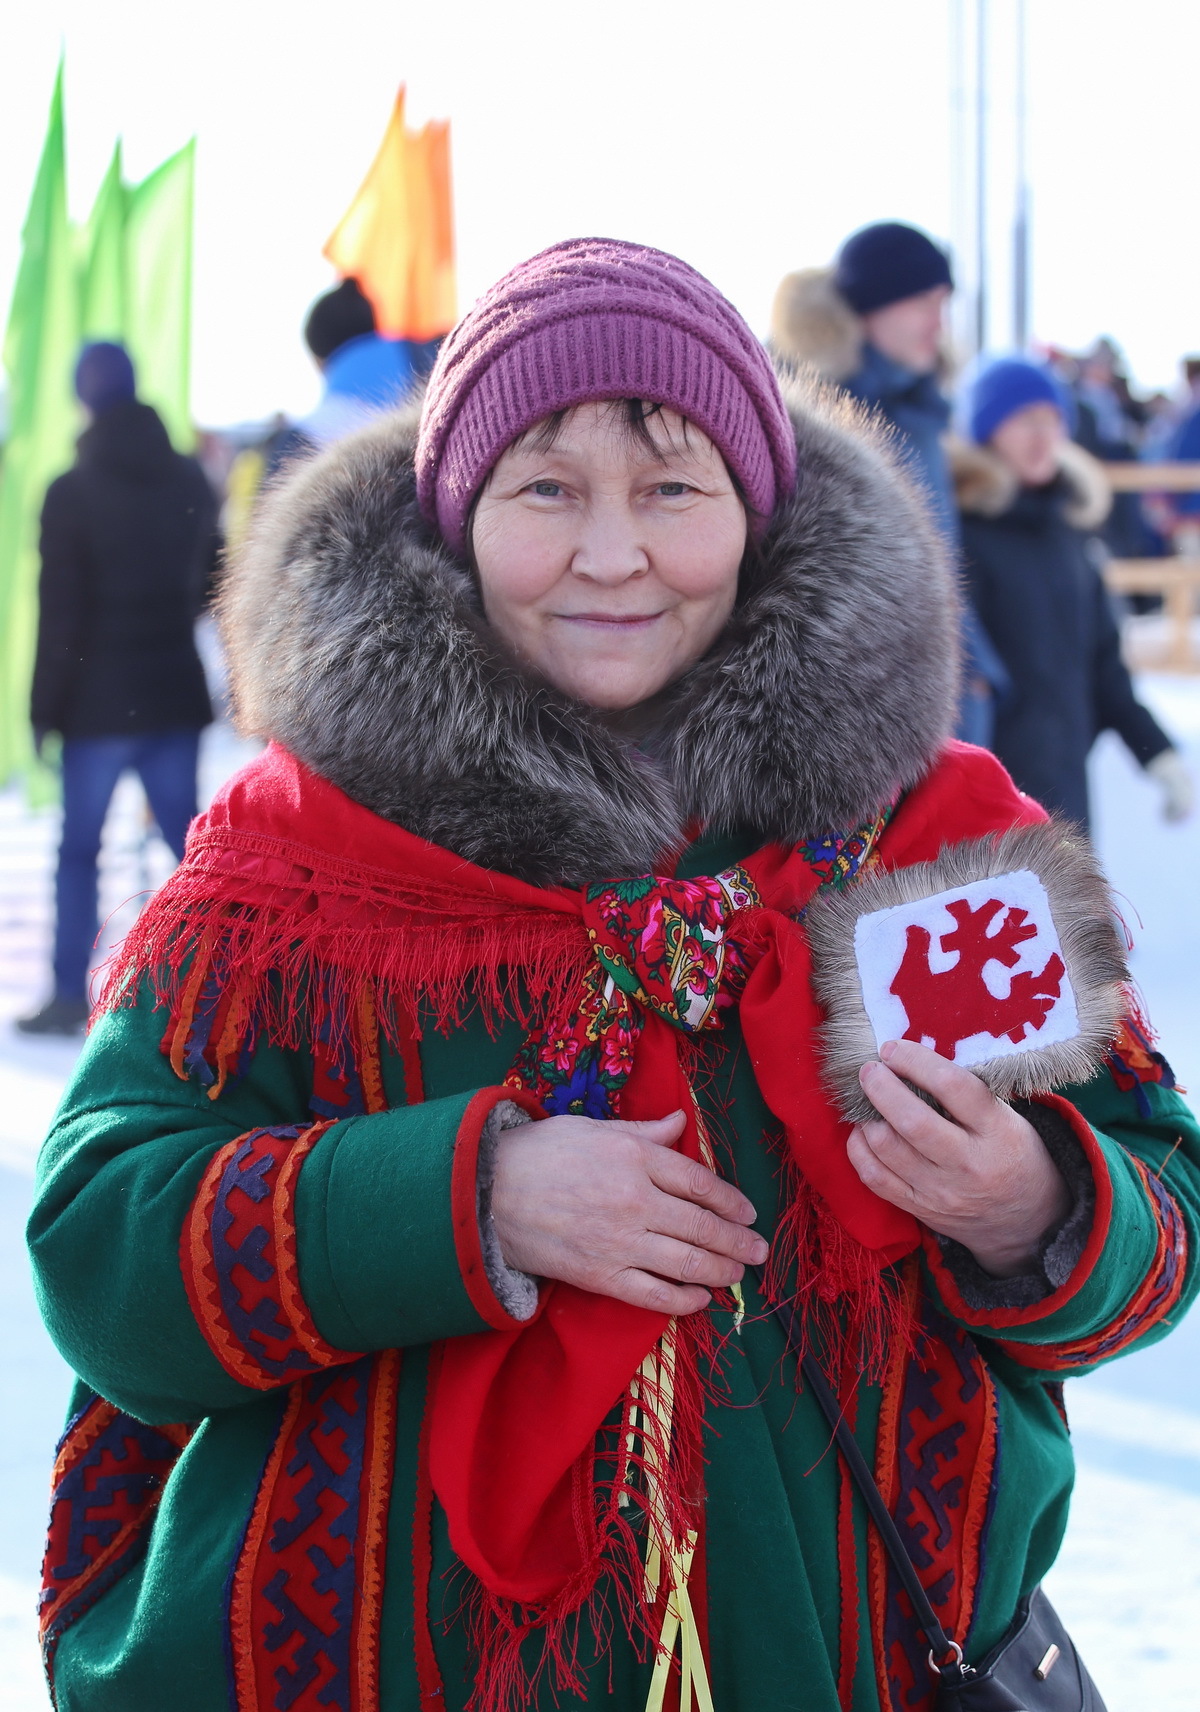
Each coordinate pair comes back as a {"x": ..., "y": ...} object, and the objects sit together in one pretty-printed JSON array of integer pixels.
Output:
[{"x": 461, "y": 1160}]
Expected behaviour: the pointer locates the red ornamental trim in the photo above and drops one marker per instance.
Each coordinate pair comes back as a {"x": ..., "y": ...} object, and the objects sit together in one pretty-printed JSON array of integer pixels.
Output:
[
  {"x": 238, "y": 1258},
  {"x": 1155, "y": 1299},
  {"x": 848, "y": 1571},
  {"x": 464, "y": 1205},
  {"x": 992, "y": 1319},
  {"x": 936, "y": 1451},
  {"x": 430, "y": 1688},
  {"x": 306, "y": 1595},
  {"x": 109, "y": 1475}
]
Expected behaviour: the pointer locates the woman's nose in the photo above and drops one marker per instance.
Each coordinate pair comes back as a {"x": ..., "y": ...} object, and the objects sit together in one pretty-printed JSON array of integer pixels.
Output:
[{"x": 609, "y": 549}]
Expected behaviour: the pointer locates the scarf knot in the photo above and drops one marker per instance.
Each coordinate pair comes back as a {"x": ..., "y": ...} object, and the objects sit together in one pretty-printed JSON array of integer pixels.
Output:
[
  {"x": 661, "y": 948},
  {"x": 665, "y": 944}
]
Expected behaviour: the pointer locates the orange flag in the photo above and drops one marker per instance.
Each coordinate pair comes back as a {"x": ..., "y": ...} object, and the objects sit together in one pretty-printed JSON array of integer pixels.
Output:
[{"x": 397, "y": 236}]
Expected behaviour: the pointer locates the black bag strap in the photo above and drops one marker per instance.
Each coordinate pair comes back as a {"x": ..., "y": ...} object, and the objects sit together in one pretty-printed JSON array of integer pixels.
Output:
[{"x": 943, "y": 1650}]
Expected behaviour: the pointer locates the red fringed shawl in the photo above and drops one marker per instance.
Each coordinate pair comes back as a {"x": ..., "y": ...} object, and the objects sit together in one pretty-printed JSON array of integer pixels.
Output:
[{"x": 297, "y": 914}]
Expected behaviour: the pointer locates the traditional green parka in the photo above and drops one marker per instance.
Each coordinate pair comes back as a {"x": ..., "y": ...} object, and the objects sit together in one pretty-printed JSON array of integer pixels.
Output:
[{"x": 324, "y": 1439}]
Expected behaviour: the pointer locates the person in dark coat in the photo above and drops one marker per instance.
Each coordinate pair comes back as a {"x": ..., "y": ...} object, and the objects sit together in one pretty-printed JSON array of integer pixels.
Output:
[
  {"x": 873, "y": 324},
  {"x": 1031, "y": 503},
  {"x": 128, "y": 538}
]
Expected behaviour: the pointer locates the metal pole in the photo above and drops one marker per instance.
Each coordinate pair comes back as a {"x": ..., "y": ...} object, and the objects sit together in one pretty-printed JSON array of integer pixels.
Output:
[
  {"x": 962, "y": 173},
  {"x": 981, "y": 18},
  {"x": 1021, "y": 212}
]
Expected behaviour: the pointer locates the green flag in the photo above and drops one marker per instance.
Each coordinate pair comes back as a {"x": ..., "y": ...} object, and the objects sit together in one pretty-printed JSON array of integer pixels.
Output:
[
  {"x": 103, "y": 262},
  {"x": 158, "y": 309},
  {"x": 127, "y": 276},
  {"x": 40, "y": 347}
]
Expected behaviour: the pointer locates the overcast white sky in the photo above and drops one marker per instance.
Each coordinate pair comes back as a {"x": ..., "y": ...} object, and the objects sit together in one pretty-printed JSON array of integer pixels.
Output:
[{"x": 747, "y": 135}]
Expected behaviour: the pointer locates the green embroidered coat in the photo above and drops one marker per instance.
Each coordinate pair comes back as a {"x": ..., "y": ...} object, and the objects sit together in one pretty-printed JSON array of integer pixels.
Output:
[
  {"x": 216, "y": 1545},
  {"x": 379, "y": 1267}
]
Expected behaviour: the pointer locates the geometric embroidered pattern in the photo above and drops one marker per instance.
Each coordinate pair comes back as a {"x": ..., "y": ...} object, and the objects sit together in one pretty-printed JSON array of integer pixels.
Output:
[
  {"x": 1153, "y": 1301},
  {"x": 238, "y": 1256},
  {"x": 306, "y": 1593},
  {"x": 109, "y": 1475},
  {"x": 937, "y": 1465}
]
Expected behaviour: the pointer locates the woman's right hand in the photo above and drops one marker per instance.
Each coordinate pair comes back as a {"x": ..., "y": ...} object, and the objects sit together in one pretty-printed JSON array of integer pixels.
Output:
[{"x": 610, "y": 1207}]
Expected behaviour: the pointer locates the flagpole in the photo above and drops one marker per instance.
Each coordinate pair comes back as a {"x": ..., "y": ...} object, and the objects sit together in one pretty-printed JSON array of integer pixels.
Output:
[
  {"x": 981, "y": 206},
  {"x": 1021, "y": 213}
]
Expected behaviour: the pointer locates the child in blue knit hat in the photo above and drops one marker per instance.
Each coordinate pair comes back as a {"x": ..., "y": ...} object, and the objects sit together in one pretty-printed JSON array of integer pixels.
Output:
[{"x": 1030, "y": 502}]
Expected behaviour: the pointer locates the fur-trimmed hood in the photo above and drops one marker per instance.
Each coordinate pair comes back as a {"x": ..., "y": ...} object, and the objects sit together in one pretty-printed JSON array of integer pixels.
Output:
[
  {"x": 357, "y": 641},
  {"x": 984, "y": 485},
  {"x": 812, "y": 325}
]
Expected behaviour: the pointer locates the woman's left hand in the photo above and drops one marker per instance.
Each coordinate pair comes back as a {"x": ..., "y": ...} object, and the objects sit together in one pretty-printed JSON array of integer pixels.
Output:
[{"x": 981, "y": 1174}]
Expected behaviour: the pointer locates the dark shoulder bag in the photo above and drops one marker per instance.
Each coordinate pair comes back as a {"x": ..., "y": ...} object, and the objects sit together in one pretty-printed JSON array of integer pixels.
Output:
[{"x": 1034, "y": 1667}]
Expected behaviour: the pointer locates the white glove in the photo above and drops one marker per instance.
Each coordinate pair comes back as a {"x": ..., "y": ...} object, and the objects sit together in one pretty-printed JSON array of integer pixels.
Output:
[{"x": 1173, "y": 775}]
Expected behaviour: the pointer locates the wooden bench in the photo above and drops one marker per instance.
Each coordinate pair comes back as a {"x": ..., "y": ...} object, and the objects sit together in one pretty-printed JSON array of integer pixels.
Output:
[{"x": 1176, "y": 578}]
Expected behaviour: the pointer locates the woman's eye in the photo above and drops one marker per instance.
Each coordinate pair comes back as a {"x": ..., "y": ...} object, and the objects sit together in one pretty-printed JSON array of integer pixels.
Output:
[
  {"x": 547, "y": 490},
  {"x": 671, "y": 490}
]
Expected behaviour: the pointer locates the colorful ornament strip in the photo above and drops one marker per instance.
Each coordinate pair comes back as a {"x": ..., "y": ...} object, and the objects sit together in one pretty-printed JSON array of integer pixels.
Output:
[
  {"x": 1152, "y": 1303},
  {"x": 109, "y": 1475},
  {"x": 936, "y": 1464},
  {"x": 238, "y": 1257},
  {"x": 306, "y": 1595}
]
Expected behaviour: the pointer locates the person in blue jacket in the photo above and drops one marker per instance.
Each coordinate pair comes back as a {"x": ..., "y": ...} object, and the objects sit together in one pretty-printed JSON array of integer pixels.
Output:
[
  {"x": 363, "y": 373},
  {"x": 873, "y": 323},
  {"x": 1031, "y": 503}
]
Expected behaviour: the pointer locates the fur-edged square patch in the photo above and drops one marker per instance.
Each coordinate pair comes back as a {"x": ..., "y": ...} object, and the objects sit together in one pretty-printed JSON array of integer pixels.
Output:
[{"x": 1004, "y": 956}]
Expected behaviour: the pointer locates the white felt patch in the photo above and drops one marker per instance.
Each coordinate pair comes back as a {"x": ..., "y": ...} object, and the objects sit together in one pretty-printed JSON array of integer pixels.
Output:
[{"x": 975, "y": 973}]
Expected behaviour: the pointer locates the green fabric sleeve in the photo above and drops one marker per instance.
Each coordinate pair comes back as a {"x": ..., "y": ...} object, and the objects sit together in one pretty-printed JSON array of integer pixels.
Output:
[
  {"x": 376, "y": 1251},
  {"x": 1137, "y": 1273}
]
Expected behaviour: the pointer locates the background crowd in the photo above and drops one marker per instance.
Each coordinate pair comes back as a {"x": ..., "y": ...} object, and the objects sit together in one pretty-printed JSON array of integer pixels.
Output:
[{"x": 1010, "y": 455}]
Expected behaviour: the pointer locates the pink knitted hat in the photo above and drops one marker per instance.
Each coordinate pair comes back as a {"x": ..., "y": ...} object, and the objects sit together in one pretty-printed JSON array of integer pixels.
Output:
[{"x": 596, "y": 318}]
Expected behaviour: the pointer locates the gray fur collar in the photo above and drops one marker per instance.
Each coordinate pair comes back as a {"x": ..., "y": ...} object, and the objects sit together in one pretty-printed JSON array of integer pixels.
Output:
[{"x": 355, "y": 639}]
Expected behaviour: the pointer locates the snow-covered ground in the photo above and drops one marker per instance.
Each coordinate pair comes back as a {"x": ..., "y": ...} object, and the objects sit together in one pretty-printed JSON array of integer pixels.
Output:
[{"x": 1128, "y": 1579}]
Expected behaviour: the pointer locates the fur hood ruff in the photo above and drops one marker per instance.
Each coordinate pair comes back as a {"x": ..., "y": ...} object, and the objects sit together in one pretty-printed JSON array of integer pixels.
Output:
[
  {"x": 813, "y": 327},
  {"x": 356, "y": 640},
  {"x": 984, "y": 486}
]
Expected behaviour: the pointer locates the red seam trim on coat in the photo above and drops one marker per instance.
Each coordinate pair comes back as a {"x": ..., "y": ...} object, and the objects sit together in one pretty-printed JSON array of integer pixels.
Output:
[
  {"x": 847, "y": 1552},
  {"x": 989, "y": 1319},
  {"x": 241, "y": 1587},
  {"x": 464, "y": 1205},
  {"x": 410, "y": 1057},
  {"x": 430, "y": 1688},
  {"x": 975, "y": 1508},
  {"x": 370, "y": 1068},
  {"x": 379, "y": 1460}
]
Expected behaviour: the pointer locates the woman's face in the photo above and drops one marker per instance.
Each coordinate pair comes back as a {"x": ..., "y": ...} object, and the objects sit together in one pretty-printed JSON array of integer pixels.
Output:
[
  {"x": 607, "y": 565},
  {"x": 1029, "y": 442}
]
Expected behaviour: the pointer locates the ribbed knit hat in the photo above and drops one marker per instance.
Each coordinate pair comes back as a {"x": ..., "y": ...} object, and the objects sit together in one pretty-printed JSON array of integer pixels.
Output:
[
  {"x": 887, "y": 262},
  {"x": 1002, "y": 388},
  {"x": 596, "y": 318}
]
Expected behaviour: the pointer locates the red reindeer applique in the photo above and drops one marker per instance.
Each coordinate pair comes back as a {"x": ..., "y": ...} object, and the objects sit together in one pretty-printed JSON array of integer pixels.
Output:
[{"x": 950, "y": 1005}]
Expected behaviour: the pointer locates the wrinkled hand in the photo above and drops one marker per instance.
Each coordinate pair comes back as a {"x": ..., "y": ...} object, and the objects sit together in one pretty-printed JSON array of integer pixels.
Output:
[
  {"x": 608, "y": 1206},
  {"x": 980, "y": 1175}
]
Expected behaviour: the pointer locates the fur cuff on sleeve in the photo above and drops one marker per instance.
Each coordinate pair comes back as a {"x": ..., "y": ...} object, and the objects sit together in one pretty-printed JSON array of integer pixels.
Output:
[
  {"x": 516, "y": 1291},
  {"x": 1059, "y": 1251}
]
